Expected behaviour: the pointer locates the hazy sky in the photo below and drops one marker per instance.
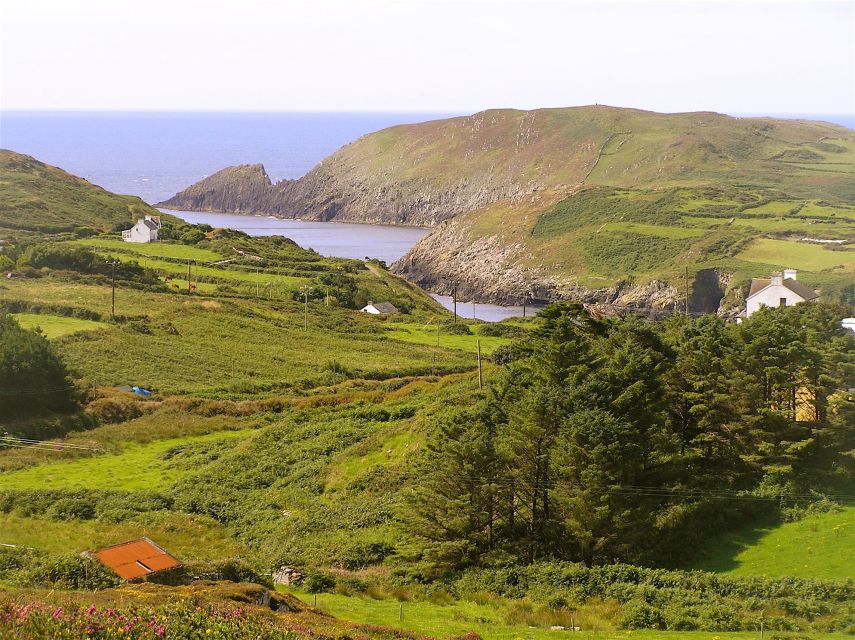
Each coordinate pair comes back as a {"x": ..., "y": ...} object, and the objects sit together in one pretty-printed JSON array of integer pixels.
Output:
[{"x": 746, "y": 56}]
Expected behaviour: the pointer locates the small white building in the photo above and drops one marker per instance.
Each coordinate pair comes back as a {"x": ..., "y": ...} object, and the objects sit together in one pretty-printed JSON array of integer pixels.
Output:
[
  {"x": 379, "y": 308},
  {"x": 780, "y": 290},
  {"x": 848, "y": 324},
  {"x": 145, "y": 230}
]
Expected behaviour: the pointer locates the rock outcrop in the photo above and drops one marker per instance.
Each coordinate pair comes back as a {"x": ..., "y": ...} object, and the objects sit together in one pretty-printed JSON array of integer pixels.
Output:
[{"x": 489, "y": 182}]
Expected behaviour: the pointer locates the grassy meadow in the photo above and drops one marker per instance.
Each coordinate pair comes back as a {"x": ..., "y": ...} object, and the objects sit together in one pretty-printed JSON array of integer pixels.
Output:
[
  {"x": 817, "y": 546},
  {"x": 494, "y": 619},
  {"x": 56, "y": 326}
]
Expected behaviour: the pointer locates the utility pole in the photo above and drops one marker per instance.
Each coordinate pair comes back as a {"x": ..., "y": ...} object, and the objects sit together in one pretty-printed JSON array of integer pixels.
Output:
[
  {"x": 473, "y": 308},
  {"x": 454, "y": 299},
  {"x": 480, "y": 374},
  {"x": 113, "y": 264},
  {"x": 256, "y": 282},
  {"x": 524, "y": 299},
  {"x": 306, "y": 310},
  {"x": 188, "y": 277}
]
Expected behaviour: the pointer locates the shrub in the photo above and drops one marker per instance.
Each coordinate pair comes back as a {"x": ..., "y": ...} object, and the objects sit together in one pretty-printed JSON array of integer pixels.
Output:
[
  {"x": 67, "y": 572},
  {"x": 501, "y": 330},
  {"x": 114, "y": 410},
  {"x": 317, "y": 582},
  {"x": 32, "y": 376},
  {"x": 640, "y": 615},
  {"x": 71, "y": 509},
  {"x": 456, "y": 329}
]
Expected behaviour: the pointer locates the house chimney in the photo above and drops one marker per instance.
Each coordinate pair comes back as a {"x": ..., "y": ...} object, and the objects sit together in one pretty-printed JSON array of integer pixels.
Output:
[
  {"x": 777, "y": 278},
  {"x": 790, "y": 274}
]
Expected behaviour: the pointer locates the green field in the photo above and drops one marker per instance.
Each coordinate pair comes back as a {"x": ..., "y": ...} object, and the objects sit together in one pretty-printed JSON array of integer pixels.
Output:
[
  {"x": 653, "y": 230},
  {"x": 57, "y": 326},
  {"x": 205, "y": 345},
  {"x": 152, "y": 249},
  {"x": 189, "y": 537},
  {"x": 818, "y": 546},
  {"x": 797, "y": 255},
  {"x": 456, "y": 618},
  {"x": 427, "y": 334},
  {"x": 136, "y": 467}
]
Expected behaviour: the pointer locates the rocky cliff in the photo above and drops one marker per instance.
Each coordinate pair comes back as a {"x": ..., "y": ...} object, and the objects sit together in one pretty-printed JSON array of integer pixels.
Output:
[{"x": 596, "y": 203}]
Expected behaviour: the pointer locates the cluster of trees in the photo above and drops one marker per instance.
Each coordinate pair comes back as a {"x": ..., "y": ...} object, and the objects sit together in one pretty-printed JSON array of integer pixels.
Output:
[
  {"x": 33, "y": 379},
  {"x": 83, "y": 260},
  {"x": 626, "y": 440}
]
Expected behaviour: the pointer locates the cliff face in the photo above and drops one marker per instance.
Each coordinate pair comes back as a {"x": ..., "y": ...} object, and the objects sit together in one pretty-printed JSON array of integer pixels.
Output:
[
  {"x": 594, "y": 203},
  {"x": 491, "y": 269},
  {"x": 241, "y": 189}
]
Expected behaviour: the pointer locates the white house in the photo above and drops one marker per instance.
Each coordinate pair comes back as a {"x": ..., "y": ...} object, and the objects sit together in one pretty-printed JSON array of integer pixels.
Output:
[
  {"x": 848, "y": 323},
  {"x": 145, "y": 230},
  {"x": 781, "y": 290},
  {"x": 379, "y": 308}
]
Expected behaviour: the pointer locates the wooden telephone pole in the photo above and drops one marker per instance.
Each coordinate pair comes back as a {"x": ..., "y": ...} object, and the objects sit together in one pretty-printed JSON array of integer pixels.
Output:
[
  {"x": 113, "y": 264},
  {"x": 480, "y": 373}
]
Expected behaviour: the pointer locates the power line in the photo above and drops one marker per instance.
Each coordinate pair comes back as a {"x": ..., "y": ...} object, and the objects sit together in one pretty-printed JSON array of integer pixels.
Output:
[
  {"x": 45, "y": 445},
  {"x": 36, "y": 392},
  {"x": 659, "y": 492}
]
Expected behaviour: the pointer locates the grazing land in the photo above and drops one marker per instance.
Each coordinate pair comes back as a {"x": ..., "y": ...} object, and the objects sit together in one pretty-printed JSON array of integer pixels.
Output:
[
  {"x": 818, "y": 546},
  {"x": 56, "y": 326}
]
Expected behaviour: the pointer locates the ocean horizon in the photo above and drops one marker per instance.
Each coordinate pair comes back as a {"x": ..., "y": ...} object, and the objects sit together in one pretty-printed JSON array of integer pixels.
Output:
[{"x": 155, "y": 154}]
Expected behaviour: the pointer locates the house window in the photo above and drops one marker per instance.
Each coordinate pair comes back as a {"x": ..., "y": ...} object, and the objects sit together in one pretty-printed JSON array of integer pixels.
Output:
[{"x": 783, "y": 302}]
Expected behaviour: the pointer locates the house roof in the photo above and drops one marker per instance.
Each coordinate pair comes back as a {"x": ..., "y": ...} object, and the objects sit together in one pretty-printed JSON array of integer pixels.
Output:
[
  {"x": 805, "y": 292},
  {"x": 150, "y": 224},
  {"x": 384, "y": 307},
  {"x": 136, "y": 559}
]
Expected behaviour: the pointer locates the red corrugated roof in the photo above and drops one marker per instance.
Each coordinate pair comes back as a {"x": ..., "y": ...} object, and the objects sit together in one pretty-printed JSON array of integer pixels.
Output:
[{"x": 136, "y": 559}]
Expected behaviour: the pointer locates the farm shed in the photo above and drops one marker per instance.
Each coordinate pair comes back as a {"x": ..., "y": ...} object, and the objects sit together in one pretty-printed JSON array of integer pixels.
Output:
[{"x": 136, "y": 559}]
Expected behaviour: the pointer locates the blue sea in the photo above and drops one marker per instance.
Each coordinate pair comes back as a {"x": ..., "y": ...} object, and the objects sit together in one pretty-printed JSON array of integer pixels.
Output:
[{"x": 155, "y": 155}]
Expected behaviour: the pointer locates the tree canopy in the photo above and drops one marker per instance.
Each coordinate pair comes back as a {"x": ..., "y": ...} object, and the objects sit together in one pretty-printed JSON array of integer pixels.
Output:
[
  {"x": 33, "y": 379},
  {"x": 628, "y": 440}
]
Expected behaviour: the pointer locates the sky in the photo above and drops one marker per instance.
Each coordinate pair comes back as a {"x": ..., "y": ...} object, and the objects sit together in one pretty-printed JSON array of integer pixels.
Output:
[{"x": 761, "y": 57}]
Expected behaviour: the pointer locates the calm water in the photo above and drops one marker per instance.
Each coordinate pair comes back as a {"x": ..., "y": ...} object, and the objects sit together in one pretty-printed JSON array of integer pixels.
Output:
[
  {"x": 488, "y": 312},
  {"x": 345, "y": 240},
  {"x": 337, "y": 239}
]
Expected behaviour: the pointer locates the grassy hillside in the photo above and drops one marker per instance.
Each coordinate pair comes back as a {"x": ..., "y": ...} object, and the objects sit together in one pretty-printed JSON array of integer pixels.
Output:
[
  {"x": 590, "y": 202},
  {"x": 282, "y": 431},
  {"x": 38, "y": 197},
  {"x": 818, "y": 546}
]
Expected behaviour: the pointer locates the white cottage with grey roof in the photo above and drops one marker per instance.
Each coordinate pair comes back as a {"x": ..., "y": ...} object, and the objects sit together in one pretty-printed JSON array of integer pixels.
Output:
[
  {"x": 379, "y": 308},
  {"x": 780, "y": 290},
  {"x": 145, "y": 230}
]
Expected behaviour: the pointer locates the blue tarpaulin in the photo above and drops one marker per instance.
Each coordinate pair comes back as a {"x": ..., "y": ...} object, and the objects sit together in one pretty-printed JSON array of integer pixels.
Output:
[{"x": 145, "y": 393}]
